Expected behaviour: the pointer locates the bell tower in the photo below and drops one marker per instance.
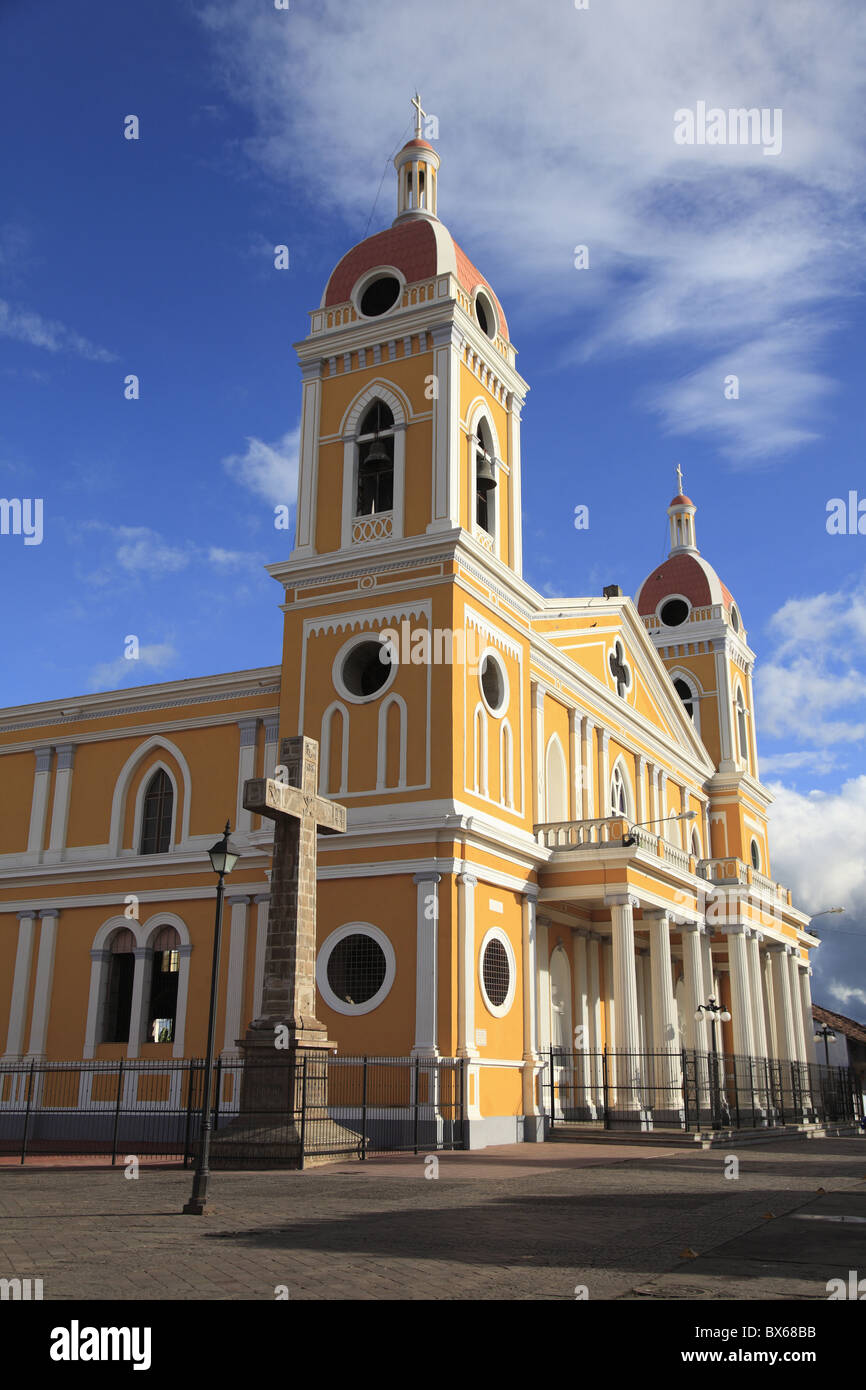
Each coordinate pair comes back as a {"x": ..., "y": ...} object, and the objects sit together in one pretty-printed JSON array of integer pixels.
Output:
[
  {"x": 411, "y": 401},
  {"x": 696, "y": 626}
]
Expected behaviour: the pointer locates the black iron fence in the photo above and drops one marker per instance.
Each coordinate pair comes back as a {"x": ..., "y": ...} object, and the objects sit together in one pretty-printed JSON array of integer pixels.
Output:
[
  {"x": 286, "y": 1112},
  {"x": 692, "y": 1090}
]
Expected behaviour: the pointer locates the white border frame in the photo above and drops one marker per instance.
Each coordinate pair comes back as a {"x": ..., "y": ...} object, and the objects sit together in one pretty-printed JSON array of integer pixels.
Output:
[
  {"x": 358, "y": 640},
  {"x": 362, "y": 285},
  {"x": 673, "y": 627},
  {"x": 498, "y": 1011},
  {"x": 490, "y": 309},
  {"x": 324, "y": 955},
  {"x": 501, "y": 710}
]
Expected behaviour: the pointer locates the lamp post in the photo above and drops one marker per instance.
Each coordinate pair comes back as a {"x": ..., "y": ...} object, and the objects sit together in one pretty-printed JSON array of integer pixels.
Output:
[
  {"x": 662, "y": 820},
  {"x": 715, "y": 1013},
  {"x": 827, "y": 912},
  {"x": 825, "y": 1032},
  {"x": 223, "y": 860}
]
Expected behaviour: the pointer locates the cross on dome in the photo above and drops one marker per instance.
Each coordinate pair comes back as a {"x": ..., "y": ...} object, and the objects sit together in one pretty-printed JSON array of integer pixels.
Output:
[
  {"x": 420, "y": 113},
  {"x": 679, "y": 479}
]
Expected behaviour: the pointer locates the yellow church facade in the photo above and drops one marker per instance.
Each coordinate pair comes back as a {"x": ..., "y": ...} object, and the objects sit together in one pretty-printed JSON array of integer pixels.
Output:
[{"x": 557, "y": 836}]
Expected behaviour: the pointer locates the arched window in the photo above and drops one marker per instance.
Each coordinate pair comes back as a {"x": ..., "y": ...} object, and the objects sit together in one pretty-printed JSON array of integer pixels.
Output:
[
  {"x": 118, "y": 997},
  {"x": 618, "y": 792},
  {"x": 556, "y": 782},
  {"x": 162, "y": 1011},
  {"x": 742, "y": 726},
  {"x": 485, "y": 480},
  {"x": 696, "y": 845},
  {"x": 756, "y": 856},
  {"x": 687, "y": 696},
  {"x": 479, "y": 753},
  {"x": 375, "y": 441},
  {"x": 156, "y": 814},
  {"x": 506, "y": 765}
]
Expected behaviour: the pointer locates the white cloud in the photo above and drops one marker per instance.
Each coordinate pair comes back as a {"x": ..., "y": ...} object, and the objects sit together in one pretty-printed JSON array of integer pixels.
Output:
[
  {"x": 153, "y": 658},
  {"x": 143, "y": 551},
  {"x": 818, "y": 846},
  {"x": 737, "y": 257},
  {"x": 268, "y": 470},
  {"x": 846, "y": 993},
  {"x": 817, "y": 760},
  {"x": 25, "y": 326}
]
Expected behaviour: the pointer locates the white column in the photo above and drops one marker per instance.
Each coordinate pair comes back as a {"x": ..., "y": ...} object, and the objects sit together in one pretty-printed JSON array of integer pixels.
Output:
[
  {"x": 141, "y": 979},
  {"x": 797, "y": 1006},
  {"x": 723, "y": 701},
  {"x": 532, "y": 1102},
  {"x": 543, "y": 985},
  {"x": 581, "y": 1042},
  {"x": 782, "y": 1000},
  {"x": 262, "y": 901},
  {"x": 538, "y": 742},
  {"x": 272, "y": 742},
  {"x": 238, "y": 902},
  {"x": 515, "y": 510},
  {"x": 99, "y": 963},
  {"x": 39, "y": 804},
  {"x": 652, "y": 788},
  {"x": 604, "y": 774},
  {"x": 759, "y": 1031},
  {"x": 626, "y": 1024},
  {"x": 426, "y": 971},
  {"x": 60, "y": 811},
  {"x": 639, "y": 796},
  {"x": 466, "y": 1046},
  {"x": 179, "y": 1041},
  {"x": 587, "y": 759},
  {"x": 770, "y": 1005},
  {"x": 247, "y": 729},
  {"x": 663, "y": 828},
  {"x": 741, "y": 993},
  {"x": 696, "y": 993},
  {"x": 668, "y": 1097},
  {"x": 596, "y": 1036},
  {"x": 48, "y": 919},
  {"x": 806, "y": 1009},
  {"x": 305, "y": 524},
  {"x": 644, "y": 998},
  {"x": 574, "y": 760},
  {"x": 20, "y": 984}
]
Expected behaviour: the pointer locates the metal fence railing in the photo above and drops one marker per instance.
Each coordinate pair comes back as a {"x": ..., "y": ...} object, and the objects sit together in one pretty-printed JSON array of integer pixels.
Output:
[
  {"x": 314, "y": 1105},
  {"x": 694, "y": 1090}
]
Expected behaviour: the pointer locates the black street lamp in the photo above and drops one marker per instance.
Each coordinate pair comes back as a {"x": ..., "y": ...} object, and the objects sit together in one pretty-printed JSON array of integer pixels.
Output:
[
  {"x": 825, "y": 1032},
  {"x": 715, "y": 1013},
  {"x": 223, "y": 859}
]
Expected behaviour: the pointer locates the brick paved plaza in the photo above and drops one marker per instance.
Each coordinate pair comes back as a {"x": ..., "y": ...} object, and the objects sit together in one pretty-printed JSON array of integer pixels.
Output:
[{"x": 523, "y": 1222}]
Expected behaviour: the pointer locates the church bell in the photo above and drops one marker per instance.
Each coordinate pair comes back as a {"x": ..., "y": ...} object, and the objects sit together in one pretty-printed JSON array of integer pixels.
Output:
[{"x": 485, "y": 478}]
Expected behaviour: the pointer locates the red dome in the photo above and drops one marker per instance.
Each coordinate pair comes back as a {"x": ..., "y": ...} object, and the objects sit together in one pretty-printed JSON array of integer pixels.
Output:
[
  {"x": 689, "y": 575},
  {"x": 681, "y": 500},
  {"x": 419, "y": 248}
]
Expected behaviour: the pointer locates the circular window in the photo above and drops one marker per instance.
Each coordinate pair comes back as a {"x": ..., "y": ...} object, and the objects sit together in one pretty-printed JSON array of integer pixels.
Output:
[
  {"x": 494, "y": 682},
  {"x": 756, "y": 855},
  {"x": 735, "y": 619},
  {"x": 363, "y": 669},
  {"x": 497, "y": 972},
  {"x": 485, "y": 315},
  {"x": 674, "y": 612},
  {"x": 379, "y": 296},
  {"x": 355, "y": 968}
]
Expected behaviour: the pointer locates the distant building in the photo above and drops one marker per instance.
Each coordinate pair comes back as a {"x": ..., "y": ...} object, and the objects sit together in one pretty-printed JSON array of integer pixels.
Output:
[{"x": 848, "y": 1048}]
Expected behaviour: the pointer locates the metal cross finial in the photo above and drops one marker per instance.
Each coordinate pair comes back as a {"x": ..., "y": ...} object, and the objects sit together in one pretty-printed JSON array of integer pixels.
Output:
[
  {"x": 419, "y": 113},
  {"x": 679, "y": 479}
]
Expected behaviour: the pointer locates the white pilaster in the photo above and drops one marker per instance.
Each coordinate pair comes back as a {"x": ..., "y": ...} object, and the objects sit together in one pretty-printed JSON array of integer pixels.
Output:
[
  {"x": 272, "y": 743},
  {"x": 60, "y": 810},
  {"x": 141, "y": 978},
  {"x": 239, "y": 903},
  {"x": 48, "y": 920},
  {"x": 742, "y": 1015},
  {"x": 447, "y": 345},
  {"x": 797, "y": 1006},
  {"x": 696, "y": 993},
  {"x": 179, "y": 1040},
  {"x": 756, "y": 981},
  {"x": 305, "y": 524},
  {"x": 515, "y": 505},
  {"x": 805, "y": 972},
  {"x": 785, "y": 1039},
  {"x": 39, "y": 804},
  {"x": 99, "y": 964},
  {"x": 466, "y": 884},
  {"x": 20, "y": 984},
  {"x": 538, "y": 748},
  {"x": 426, "y": 968},
  {"x": 532, "y": 1102},
  {"x": 639, "y": 790},
  {"x": 247, "y": 729},
  {"x": 574, "y": 761},
  {"x": 604, "y": 773},
  {"x": 626, "y": 1034},
  {"x": 770, "y": 1005},
  {"x": 587, "y": 757}
]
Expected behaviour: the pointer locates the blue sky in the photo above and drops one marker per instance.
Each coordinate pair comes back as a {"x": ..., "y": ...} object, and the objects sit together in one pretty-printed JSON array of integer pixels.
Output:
[{"x": 260, "y": 127}]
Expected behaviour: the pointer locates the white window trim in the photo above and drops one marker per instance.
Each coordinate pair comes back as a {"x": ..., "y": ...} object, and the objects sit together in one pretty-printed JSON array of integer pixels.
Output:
[
  {"x": 325, "y": 743},
  {"x": 121, "y": 791},
  {"x": 382, "y": 746},
  {"x": 356, "y": 640},
  {"x": 498, "y": 1010},
  {"x": 139, "y": 806},
  {"x": 678, "y": 674},
  {"x": 675, "y": 627},
  {"x": 498, "y": 711},
  {"x": 629, "y": 812},
  {"x": 354, "y": 929},
  {"x": 390, "y": 395},
  {"x": 555, "y": 743},
  {"x": 366, "y": 280}
]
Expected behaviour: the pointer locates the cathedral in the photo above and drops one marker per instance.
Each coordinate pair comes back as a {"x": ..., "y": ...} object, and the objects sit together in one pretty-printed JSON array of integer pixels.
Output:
[{"x": 557, "y": 836}]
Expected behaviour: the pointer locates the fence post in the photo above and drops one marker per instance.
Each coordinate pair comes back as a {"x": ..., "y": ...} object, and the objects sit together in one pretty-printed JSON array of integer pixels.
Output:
[
  {"x": 303, "y": 1102},
  {"x": 604, "y": 1087},
  {"x": 217, "y": 1091},
  {"x": 189, "y": 1097},
  {"x": 117, "y": 1112},
  {"x": 364, "y": 1113},
  {"x": 685, "y": 1074},
  {"x": 27, "y": 1111},
  {"x": 464, "y": 1088},
  {"x": 417, "y": 1062},
  {"x": 737, "y": 1089}
]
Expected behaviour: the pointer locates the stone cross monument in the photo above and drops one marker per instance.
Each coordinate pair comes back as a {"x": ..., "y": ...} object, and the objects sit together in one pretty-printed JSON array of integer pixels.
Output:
[{"x": 286, "y": 1048}]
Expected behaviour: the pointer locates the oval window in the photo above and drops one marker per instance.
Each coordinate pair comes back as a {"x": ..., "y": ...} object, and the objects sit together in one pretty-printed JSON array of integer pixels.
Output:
[
  {"x": 674, "y": 612},
  {"x": 493, "y": 684},
  {"x": 366, "y": 668},
  {"x": 380, "y": 295}
]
